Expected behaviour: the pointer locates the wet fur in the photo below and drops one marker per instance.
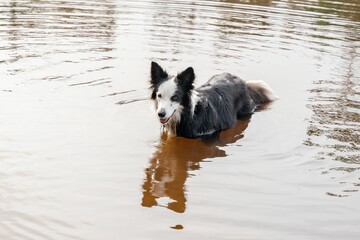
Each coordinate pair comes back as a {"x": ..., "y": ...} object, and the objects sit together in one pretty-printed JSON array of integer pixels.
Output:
[{"x": 214, "y": 106}]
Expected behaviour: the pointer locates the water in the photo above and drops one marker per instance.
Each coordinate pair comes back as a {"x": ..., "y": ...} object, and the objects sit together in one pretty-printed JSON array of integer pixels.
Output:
[{"x": 81, "y": 155}]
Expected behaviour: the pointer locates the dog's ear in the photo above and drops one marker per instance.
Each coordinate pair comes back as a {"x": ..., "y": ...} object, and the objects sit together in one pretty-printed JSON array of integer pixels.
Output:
[
  {"x": 157, "y": 73},
  {"x": 187, "y": 77}
]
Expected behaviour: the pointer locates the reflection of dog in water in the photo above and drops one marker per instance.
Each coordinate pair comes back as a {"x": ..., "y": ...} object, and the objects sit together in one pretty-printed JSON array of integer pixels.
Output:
[
  {"x": 213, "y": 107},
  {"x": 170, "y": 165}
]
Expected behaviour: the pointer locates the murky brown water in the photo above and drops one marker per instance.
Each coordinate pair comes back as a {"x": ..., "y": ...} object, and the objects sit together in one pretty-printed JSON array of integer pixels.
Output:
[{"x": 81, "y": 155}]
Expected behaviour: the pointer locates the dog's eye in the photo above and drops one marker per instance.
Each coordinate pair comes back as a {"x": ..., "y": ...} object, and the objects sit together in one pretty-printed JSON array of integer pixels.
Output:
[
  {"x": 174, "y": 98},
  {"x": 159, "y": 96}
]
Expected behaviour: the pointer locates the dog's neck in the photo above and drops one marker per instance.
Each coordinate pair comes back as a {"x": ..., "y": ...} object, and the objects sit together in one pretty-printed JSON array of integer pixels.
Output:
[{"x": 170, "y": 127}]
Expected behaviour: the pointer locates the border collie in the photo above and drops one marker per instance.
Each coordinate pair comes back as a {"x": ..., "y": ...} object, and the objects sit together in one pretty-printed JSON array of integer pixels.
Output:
[{"x": 217, "y": 105}]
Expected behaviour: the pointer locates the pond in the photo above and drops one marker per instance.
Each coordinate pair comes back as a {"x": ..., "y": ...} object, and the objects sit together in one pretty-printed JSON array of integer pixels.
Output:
[{"x": 81, "y": 150}]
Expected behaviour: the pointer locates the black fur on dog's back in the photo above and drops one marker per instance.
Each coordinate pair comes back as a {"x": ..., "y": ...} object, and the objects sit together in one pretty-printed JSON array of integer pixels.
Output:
[{"x": 221, "y": 101}]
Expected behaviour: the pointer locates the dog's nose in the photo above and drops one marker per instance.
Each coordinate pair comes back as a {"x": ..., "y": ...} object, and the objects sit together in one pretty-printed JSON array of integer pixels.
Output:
[{"x": 161, "y": 114}]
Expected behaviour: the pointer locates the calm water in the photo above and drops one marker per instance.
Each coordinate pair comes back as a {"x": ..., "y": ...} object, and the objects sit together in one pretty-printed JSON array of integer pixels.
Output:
[{"x": 81, "y": 154}]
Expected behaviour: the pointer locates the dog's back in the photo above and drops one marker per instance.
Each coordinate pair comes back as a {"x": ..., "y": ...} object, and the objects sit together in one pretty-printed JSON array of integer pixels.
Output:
[
  {"x": 221, "y": 101},
  {"x": 229, "y": 93}
]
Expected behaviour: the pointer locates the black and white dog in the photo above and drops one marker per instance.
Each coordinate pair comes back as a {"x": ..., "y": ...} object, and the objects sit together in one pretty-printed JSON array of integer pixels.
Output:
[{"x": 214, "y": 106}]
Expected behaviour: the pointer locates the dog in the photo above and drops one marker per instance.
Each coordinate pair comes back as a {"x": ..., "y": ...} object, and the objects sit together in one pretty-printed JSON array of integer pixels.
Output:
[{"x": 215, "y": 106}]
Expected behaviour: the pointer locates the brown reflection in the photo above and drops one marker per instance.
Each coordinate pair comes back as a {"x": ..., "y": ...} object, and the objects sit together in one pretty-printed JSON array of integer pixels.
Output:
[{"x": 176, "y": 157}]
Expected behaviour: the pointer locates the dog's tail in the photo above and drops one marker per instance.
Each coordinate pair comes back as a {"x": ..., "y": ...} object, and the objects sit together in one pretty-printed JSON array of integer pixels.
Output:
[{"x": 260, "y": 92}]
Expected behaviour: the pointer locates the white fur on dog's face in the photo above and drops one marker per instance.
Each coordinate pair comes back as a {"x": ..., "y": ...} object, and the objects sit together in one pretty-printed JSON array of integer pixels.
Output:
[{"x": 168, "y": 102}]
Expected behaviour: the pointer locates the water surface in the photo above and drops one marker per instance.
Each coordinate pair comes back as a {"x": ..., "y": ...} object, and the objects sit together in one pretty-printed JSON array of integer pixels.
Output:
[{"x": 81, "y": 153}]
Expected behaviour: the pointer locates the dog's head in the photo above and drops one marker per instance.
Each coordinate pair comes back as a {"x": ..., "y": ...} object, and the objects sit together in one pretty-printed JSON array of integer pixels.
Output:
[{"x": 170, "y": 93}]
